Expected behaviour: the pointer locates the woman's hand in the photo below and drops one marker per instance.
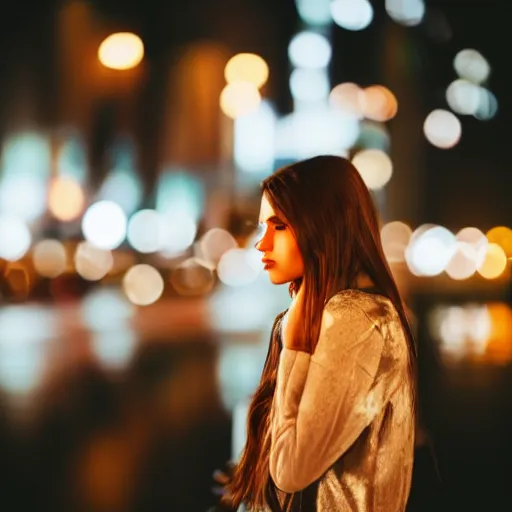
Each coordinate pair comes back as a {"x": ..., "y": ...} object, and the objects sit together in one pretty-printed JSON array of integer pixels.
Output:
[{"x": 292, "y": 322}]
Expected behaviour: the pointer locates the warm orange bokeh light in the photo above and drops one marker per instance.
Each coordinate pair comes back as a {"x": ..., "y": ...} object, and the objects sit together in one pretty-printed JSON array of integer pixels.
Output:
[
  {"x": 502, "y": 236},
  {"x": 239, "y": 98},
  {"x": 495, "y": 262},
  {"x": 378, "y": 103},
  {"x": 395, "y": 237},
  {"x": 499, "y": 344},
  {"x": 122, "y": 50},
  {"x": 348, "y": 98},
  {"x": 246, "y": 67},
  {"x": 65, "y": 199}
]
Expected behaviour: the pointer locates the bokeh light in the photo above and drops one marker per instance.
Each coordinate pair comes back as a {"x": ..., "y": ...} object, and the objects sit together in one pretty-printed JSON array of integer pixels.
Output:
[
  {"x": 192, "y": 277},
  {"x": 239, "y": 98},
  {"x": 471, "y": 65},
  {"x": 347, "y": 97},
  {"x": 495, "y": 262},
  {"x": 25, "y": 168},
  {"x": 354, "y": 15},
  {"x": 121, "y": 51},
  {"x": 212, "y": 245},
  {"x": 395, "y": 237},
  {"x": 502, "y": 236},
  {"x": 477, "y": 240},
  {"x": 178, "y": 233},
  {"x": 179, "y": 195},
  {"x": 487, "y": 105},
  {"x": 246, "y": 67},
  {"x": 123, "y": 187},
  {"x": 463, "y": 96},
  {"x": 143, "y": 284},
  {"x": 406, "y": 12},
  {"x": 310, "y": 132},
  {"x": 71, "y": 157},
  {"x": 378, "y": 103},
  {"x": 254, "y": 140},
  {"x": 15, "y": 237},
  {"x": 374, "y": 135},
  {"x": 65, "y": 198},
  {"x": 462, "y": 264},
  {"x": 24, "y": 171},
  {"x": 146, "y": 231},
  {"x": 442, "y": 129},
  {"x": 239, "y": 267},
  {"x": 499, "y": 348},
  {"x": 26, "y": 153},
  {"x": 314, "y": 12},
  {"x": 22, "y": 346},
  {"x": 114, "y": 349},
  {"x": 462, "y": 331},
  {"x": 106, "y": 309},
  {"x": 91, "y": 262},
  {"x": 309, "y": 85},
  {"x": 23, "y": 195},
  {"x": 49, "y": 258},
  {"x": 374, "y": 166},
  {"x": 309, "y": 50},
  {"x": 104, "y": 225},
  {"x": 430, "y": 249},
  {"x": 469, "y": 255}
]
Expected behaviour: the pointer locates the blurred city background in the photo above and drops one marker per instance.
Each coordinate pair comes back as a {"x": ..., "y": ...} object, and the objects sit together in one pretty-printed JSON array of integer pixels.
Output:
[{"x": 135, "y": 314}]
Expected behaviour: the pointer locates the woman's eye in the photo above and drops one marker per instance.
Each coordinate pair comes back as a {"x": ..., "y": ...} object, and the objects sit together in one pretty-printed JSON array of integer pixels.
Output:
[{"x": 279, "y": 227}]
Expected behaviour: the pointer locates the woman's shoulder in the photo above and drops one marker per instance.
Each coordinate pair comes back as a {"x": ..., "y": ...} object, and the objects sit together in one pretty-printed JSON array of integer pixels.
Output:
[
  {"x": 355, "y": 303},
  {"x": 358, "y": 310},
  {"x": 362, "y": 319},
  {"x": 349, "y": 327}
]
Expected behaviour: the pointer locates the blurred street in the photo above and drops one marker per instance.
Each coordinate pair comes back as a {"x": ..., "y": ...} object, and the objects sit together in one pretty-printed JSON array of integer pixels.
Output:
[{"x": 134, "y": 311}]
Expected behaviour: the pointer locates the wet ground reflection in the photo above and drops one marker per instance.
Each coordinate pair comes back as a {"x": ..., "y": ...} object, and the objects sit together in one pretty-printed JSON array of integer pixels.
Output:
[
  {"x": 137, "y": 418},
  {"x": 145, "y": 440}
]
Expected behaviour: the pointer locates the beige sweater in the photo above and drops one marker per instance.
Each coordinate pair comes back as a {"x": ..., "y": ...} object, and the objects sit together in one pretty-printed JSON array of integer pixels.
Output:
[{"x": 342, "y": 421}]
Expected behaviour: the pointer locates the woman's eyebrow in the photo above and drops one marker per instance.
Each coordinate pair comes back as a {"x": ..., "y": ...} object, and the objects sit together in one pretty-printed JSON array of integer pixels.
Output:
[{"x": 273, "y": 220}]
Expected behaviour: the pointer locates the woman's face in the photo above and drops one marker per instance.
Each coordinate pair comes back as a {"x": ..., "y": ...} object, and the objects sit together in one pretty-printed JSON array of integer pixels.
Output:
[{"x": 281, "y": 256}]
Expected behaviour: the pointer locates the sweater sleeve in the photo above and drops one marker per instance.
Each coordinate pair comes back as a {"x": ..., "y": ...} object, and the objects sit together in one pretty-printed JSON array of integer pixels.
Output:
[{"x": 323, "y": 402}]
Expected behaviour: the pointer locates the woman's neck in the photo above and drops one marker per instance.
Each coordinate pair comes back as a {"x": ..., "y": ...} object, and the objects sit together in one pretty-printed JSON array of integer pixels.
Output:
[{"x": 364, "y": 281}]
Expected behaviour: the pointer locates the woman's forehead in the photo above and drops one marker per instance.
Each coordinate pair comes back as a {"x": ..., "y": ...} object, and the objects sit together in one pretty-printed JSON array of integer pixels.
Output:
[{"x": 266, "y": 210}]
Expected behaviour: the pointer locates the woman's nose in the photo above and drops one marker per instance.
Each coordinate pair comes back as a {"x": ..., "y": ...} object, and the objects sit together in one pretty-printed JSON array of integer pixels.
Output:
[{"x": 262, "y": 244}]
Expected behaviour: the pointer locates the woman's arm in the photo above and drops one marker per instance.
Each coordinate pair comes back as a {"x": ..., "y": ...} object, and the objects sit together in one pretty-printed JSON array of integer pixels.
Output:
[{"x": 323, "y": 402}]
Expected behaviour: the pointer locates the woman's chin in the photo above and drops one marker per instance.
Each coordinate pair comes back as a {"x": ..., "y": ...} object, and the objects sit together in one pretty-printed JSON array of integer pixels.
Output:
[{"x": 277, "y": 278}]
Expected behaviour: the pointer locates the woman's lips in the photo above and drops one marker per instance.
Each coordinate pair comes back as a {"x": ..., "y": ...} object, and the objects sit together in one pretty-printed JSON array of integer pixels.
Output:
[{"x": 267, "y": 264}]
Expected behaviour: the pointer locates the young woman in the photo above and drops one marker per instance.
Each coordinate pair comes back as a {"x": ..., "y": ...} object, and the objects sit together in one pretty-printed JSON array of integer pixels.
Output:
[{"x": 331, "y": 426}]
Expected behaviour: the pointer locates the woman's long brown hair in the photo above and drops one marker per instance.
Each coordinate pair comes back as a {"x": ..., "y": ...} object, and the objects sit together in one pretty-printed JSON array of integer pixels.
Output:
[
  {"x": 251, "y": 480},
  {"x": 333, "y": 217}
]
